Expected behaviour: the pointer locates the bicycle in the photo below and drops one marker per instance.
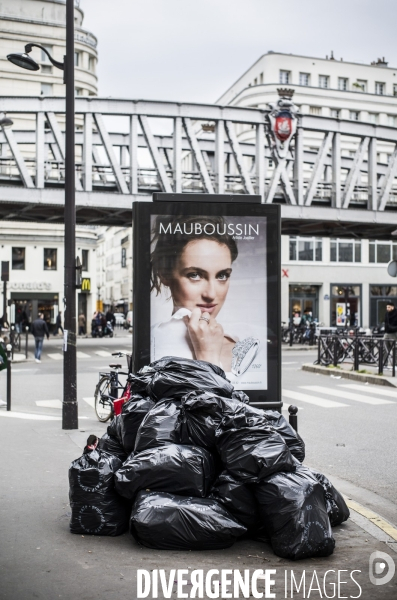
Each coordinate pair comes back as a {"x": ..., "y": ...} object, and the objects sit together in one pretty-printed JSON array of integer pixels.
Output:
[{"x": 108, "y": 386}]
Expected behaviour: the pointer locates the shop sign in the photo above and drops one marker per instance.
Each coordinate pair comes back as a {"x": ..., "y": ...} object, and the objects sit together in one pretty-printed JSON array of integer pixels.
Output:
[
  {"x": 86, "y": 285},
  {"x": 200, "y": 262},
  {"x": 41, "y": 286}
]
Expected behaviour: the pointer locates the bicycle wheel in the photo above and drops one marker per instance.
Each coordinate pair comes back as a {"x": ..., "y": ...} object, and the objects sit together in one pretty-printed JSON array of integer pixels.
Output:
[{"x": 103, "y": 405}]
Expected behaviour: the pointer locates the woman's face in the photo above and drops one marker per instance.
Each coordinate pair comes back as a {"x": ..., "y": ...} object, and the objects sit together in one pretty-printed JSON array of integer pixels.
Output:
[{"x": 201, "y": 276}]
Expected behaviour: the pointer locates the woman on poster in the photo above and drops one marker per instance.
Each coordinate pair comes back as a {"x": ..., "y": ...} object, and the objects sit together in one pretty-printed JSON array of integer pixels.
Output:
[{"x": 192, "y": 258}]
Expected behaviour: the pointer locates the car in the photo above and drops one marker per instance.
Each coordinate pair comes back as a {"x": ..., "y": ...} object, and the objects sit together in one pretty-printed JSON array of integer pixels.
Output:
[
  {"x": 128, "y": 320},
  {"x": 120, "y": 319}
]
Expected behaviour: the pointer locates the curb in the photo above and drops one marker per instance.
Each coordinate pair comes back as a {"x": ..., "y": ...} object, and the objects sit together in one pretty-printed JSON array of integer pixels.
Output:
[{"x": 364, "y": 378}]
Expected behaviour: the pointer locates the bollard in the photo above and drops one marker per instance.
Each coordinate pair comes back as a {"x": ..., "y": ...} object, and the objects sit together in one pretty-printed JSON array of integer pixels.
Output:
[
  {"x": 311, "y": 334},
  {"x": 9, "y": 351},
  {"x": 291, "y": 336},
  {"x": 114, "y": 390},
  {"x": 319, "y": 350},
  {"x": 26, "y": 342},
  {"x": 380, "y": 358},
  {"x": 394, "y": 359},
  {"x": 293, "y": 417},
  {"x": 335, "y": 351},
  {"x": 356, "y": 354}
]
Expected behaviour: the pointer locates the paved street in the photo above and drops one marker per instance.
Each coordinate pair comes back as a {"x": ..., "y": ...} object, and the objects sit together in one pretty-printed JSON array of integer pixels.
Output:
[{"x": 348, "y": 429}]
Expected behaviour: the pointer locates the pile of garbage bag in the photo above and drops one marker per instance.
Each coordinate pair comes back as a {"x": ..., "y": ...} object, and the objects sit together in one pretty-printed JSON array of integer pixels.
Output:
[{"x": 198, "y": 467}]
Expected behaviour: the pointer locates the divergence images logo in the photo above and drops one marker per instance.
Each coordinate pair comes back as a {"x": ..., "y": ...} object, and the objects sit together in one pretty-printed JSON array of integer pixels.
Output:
[{"x": 381, "y": 564}]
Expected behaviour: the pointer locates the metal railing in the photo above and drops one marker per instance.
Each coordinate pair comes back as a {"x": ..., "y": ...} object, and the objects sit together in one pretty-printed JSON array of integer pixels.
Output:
[
  {"x": 132, "y": 148},
  {"x": 357, "y": 350}
]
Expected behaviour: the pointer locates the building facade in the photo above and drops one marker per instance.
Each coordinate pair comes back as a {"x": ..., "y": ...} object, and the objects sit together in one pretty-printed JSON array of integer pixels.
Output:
[
  {"x": 114, "y": 264},
  {"x": 343, "y": 282},
  {"x": 36, "y": 271}
]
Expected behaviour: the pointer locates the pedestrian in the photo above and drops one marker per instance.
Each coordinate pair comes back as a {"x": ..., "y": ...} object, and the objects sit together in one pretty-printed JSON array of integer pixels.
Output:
[
  {"x": 58, "y": 324},
  {"x": 39, "y": 330},
  {"x": 81, "y": 324},
  {"x": 390, "y": 321},
  {"x": 110, "y": 318}
]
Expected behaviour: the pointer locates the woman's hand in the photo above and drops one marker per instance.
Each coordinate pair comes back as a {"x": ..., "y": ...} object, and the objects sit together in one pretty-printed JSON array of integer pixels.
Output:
[{"x": 206, "y": 336}]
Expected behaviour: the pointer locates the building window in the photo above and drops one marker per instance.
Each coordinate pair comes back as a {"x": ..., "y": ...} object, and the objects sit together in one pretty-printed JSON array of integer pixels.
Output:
[
  {"x": 18, "y": 259},
  {"x": 343, "y": 84},
  {"x": 78, "y": 91},
  {"x": 335, "y": 113},
  {"x": 304, "y": 79},
  {"x": 395, "y": 89},
  {"x": 77, "y": 59},
  {"x": 91, "y": 64},
  {"x": 47, "y": 69},
  {"x": 360, "y": 85},
  {"x": 123, "y": 257},
  {"x": 305, "y": 248},
  {"x": 84, "y": 260},
  {"x": 323, "y": 81},
  {"x": 261, "y": 78},
  {"x": 354, "y": 115},
  {"x": 373, "y": 118},
  {"x": 285, "y": 77},
  {"x": 50, "y": 259},
  {"x": 46, "y": 89},
  {"x": 380, "y": 296},
  {"x": 345, "y": 305},
  {"x": 379, "y": 88},
  {"x": 345, "y": 250},
  {"x": 382, "y": 252},
  {"x": 315, "y": 110},
  {"x": 390, "y": 120}
]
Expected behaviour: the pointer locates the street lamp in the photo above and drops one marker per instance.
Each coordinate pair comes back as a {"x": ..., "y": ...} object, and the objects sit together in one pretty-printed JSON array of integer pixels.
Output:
[
  {"x": 69, "y": 406},
  {"x": 5, "y": 122}
]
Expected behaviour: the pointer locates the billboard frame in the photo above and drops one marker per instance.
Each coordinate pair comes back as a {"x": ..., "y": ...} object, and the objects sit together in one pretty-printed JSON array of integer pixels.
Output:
[{"x": 201, "y": 205}]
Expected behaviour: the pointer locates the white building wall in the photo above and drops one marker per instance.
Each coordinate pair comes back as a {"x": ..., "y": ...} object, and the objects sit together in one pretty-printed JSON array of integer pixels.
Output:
[{"x": 35, "y": 281}]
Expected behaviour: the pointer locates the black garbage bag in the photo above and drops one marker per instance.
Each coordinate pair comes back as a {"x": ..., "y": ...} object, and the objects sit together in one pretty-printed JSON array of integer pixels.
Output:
[
  {"x": 337, "y": 508},
  {"x": 238, "y": 499},
  {"x": 109, "y": 443},
  {"x": 158, "y": 426},
  {"x": 131, "y": 417},
  {"x": 292, "y": 509},
  {"x": 139, "y": 382},
  {"x": 170, "y": 522},
  {"x": 288, "y": 433},
  {"x": 252, "y": 453},
  {"x": 174, "y": 377},
  {"x": 184, "y": 470},
  {"x": 202, "y": 413},
  {"x": 96, "y": 507},
  {"x": 240, "y": 395},
  {"x": 114, "y": 428}
]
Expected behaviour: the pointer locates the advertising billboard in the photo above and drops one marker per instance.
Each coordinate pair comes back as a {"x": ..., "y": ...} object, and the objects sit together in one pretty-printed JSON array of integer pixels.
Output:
[{"x": 206, "y": 287}]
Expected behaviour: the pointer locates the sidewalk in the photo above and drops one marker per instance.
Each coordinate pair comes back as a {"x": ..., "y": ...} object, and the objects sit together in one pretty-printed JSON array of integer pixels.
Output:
[
  {"x": 39, "y": 558},
  {"x": 366, "y": 374}
]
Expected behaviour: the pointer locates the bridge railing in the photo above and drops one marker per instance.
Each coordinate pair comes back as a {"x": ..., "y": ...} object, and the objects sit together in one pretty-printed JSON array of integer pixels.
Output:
[{"x": 137, "y": 147}]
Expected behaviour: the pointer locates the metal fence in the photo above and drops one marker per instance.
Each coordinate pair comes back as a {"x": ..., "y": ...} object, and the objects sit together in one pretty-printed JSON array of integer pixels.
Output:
[{"x": 357, "y": 350}]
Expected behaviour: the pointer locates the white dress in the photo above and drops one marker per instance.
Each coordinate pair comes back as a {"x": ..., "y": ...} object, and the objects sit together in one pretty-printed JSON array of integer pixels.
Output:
[{"x": 171, "y": 338}]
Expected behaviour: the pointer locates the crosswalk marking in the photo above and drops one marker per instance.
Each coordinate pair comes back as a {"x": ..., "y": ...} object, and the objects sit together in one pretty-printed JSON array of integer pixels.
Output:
[
  {"x": 345, "y": 395},
  {"x": 90, "y": 401},
  {"x": 56, "y": 356},
  {"x": 82, "y": 355},
  {"x": 29, "y": 416},
  {"x": 324, "y": 403},
  {"x": 49, "y": 403},
  {"x": 103, "y": 353},
  {"x": 370, "y": 390},
  {"x": 293, "y": 362}
]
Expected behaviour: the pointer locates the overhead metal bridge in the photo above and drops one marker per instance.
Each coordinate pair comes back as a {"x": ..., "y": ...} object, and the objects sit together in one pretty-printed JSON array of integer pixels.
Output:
[{"x": 339, "y": 178}]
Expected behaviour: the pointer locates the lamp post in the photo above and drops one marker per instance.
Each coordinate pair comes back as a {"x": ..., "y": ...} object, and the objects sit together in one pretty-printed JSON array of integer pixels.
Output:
[{"x": 69, "y": 405}]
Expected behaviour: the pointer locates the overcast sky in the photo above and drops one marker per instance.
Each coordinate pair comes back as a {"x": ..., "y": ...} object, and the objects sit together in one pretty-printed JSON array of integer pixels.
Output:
[{"x": 193, "y": 50}]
